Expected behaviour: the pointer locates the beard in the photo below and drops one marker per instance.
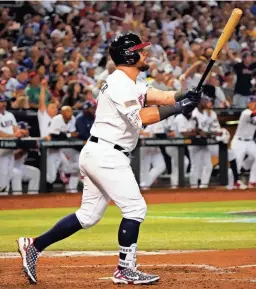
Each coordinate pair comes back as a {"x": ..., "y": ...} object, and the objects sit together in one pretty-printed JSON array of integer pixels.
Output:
[{"x": 144, "y": 67}]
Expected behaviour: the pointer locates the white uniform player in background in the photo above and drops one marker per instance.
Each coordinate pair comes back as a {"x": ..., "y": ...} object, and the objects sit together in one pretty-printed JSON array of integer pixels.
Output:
[
  {"x": 243, "y": 142},
  {"x": 104, "y": 162},
  {"x": 152, "y": 163},
  {"x": 201, "y": 161},
  {"x": 179, "y": 127},
  {"x": 213, "y": 129},
  {"x": 63, "y": 127},
  {"x": 22, "y": 172},
  {"x": 8, "y": 129}
]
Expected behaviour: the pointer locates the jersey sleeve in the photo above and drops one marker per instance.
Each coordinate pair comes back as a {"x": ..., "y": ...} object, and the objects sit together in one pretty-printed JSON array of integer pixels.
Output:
[
  {"x": 124, "y": 97},
  {"x": 14, "y": 122}
]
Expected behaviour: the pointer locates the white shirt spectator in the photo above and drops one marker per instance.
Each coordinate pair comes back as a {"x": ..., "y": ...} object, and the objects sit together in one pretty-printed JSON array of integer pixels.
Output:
[{"x": 44, "y": 121}]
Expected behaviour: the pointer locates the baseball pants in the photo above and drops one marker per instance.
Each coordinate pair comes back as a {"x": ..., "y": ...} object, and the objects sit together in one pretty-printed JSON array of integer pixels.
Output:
[
  {"x": 173, "y": 152},
  {"x": 201, "y": 165},
  {"x": 152, "y": 165},
  {"x": 6, "y": 168},
  {"x": 25, "y": 173},
  {"x": 107, "y": 175},
  {"x": 241, "y": 149}
]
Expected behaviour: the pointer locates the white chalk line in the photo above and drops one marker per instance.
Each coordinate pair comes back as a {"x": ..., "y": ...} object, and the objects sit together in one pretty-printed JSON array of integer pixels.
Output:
[{"x": 101, "y": 253}]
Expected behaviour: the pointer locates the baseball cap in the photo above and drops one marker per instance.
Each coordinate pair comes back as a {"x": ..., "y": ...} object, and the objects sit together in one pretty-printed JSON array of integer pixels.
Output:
[
  {"x": 21, "y": 69},
  {"x": 3, "y": 98},
  {"x": 252, "y": 98},
  {"x": 89, "y": 104},
  {"x": 23, "y": 125},
  {"x": 20, "y": 86}
]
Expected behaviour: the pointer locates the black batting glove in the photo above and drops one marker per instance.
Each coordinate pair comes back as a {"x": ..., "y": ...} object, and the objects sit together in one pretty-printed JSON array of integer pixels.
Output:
[
  {"x": 193, "y": 95},
  {"x": 186, "y": 105}
]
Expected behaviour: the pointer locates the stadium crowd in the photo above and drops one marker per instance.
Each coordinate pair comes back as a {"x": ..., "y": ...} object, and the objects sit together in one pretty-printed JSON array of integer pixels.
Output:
[{"x": 54, "y": 56}]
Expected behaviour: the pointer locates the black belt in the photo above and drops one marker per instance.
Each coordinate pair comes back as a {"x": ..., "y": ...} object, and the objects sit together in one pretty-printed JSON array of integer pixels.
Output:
[
  {"x": 244, "y": 139},
  {"x": 117, "y": 147}
]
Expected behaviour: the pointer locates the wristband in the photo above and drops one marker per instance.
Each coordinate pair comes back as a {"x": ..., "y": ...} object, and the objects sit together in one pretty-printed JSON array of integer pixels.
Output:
[
  {"x": 168, "y": 110},
  {"x": 68, "y": 135},
  {"x": 179, "y": 95}
]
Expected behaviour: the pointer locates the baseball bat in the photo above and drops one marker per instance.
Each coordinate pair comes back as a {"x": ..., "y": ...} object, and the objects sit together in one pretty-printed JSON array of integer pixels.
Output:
[{"x": 224, "y": 38}]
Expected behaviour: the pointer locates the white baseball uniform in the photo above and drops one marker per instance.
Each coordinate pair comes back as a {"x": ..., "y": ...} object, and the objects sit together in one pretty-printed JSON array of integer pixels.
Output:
[
  {"x": 22, "y": 172},
  {"x": 55, "y": 158},
  {"x": 106, "y": 170},
  {"x": 178, "y": 124},
  {"x": 152, "y": 161},
  {"x": 201, "y": 162},
  {"x": 7, "y": 122},
  {"x": 243, "y": 142}
]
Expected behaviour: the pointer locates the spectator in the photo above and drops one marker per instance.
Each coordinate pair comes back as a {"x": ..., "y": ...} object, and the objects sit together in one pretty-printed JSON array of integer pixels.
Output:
[
  {"x": 20, "y": 97},
  {"x": 74, "y": 97},
  {"x": 85, "y": 119},
  {"x": 33, "y": 90},
  {"x": 26, "y": 39},
  {"x": 158, "y": 78}
]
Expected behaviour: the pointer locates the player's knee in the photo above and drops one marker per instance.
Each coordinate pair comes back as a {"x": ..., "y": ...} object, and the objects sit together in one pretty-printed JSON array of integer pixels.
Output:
[
  {"x": 87, "y": 220},
  {"x": 136, "y": 211}
]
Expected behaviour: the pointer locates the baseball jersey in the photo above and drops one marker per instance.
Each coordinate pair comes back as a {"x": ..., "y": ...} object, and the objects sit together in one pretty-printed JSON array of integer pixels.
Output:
[
  {"x": 7, "y": 121},
  {"x": 154, "y": 128},
  {"x": 117, "y": 116},
  {"x": 199, "y": 120},
  {"x": 44, "y": 121},
  {"x": 182, "y": 124},
  {"x": 211, "y": 121},
  {"x": 58, "y": 125},
  {"x": 246, "y": 126}
]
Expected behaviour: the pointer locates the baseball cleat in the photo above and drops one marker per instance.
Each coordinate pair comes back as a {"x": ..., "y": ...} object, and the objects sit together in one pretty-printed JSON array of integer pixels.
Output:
[
  {"x": 239, "y": 185},
  {"x": 29, "y": 255},
  {"x": 133, "y": 276}
]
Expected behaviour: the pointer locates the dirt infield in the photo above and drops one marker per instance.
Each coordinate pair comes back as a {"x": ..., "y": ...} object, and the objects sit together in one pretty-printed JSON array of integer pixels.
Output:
[
  {"x": 234, "y": 269},
  {"x": 229, "y": 269}
]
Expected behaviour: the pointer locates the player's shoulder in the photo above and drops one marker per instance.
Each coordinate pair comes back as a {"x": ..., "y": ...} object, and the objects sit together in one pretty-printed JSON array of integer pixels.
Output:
[
  {"x": 246, "y": 112},
  {"x": 195, "y": 112},
  {"x": 180, "y": 117},
  {"x": 118, "y": 78},
  {"x": 57, "y": 117},
  {"x": 8, "y": 114}
]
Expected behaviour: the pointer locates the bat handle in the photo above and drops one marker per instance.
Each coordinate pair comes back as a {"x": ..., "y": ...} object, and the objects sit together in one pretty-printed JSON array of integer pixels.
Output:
[{"x": 207, "y": 70}]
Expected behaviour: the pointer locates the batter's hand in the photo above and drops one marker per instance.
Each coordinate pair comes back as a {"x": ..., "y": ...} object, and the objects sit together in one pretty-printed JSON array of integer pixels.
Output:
[
  {"x": 193, "y": 95},
  {"x": 187, "y": 105}
]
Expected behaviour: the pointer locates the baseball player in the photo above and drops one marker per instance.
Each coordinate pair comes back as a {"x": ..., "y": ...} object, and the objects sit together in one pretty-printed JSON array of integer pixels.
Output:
[
  {"x": 63, "y": 127},
  {"x": 179, "y": 126},
  {"x": 8, "y": 129},
  {"x": 213, "y": 129},
  {"x": 104, "y": 161},
  {"x": 243, "y": 142},
  {"x": 22, "y": 172},
  {"x": 201, "y": 162},
  {"x": 152, "y": 161}
]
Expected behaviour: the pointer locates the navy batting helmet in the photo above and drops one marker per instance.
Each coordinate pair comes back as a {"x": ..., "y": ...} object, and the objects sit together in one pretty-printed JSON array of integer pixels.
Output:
[{"x": 124, "y": 49}]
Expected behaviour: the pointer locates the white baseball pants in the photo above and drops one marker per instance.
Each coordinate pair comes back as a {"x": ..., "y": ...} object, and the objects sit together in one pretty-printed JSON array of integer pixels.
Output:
[
  {"x": 6, "y": 168},
  {"x": 173, "y": 152},
  {"x": 242, "y": 148},
  {"x": 152, "y": 165},
  {"x": 201, "y": 165},
  {"x": 108, "y": 176},
  {"x": 25, "y": 173}
]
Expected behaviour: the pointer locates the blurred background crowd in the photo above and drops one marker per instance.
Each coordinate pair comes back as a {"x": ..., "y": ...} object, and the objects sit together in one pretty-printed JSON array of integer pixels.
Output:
[{"x": 54, "y": 54}]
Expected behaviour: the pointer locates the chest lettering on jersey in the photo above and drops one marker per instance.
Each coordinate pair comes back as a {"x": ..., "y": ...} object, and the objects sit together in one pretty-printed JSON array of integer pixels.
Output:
[{"x": 6, "y": 123}]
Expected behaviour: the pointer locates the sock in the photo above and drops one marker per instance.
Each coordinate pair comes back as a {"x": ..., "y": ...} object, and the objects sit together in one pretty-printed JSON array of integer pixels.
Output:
[
  {"x": 127, "y": 235},
  {"x": 233, "y": 167},
  {"x": 63, "y": 229}
]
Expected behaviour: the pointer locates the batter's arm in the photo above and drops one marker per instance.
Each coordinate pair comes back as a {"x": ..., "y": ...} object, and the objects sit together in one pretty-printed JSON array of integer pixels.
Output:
[{"x": 160, "y": 97}]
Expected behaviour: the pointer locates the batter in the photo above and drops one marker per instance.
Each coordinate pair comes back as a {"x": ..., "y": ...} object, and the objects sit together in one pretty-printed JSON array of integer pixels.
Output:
[{"x": 104, "y": 162}]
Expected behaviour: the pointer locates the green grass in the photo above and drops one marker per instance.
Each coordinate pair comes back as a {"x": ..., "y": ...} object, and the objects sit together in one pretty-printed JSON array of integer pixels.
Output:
[{"x": 167, "y": 226}]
